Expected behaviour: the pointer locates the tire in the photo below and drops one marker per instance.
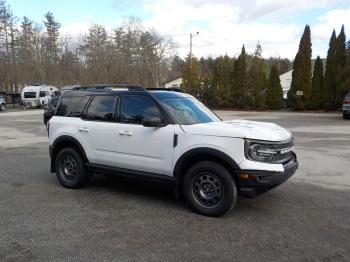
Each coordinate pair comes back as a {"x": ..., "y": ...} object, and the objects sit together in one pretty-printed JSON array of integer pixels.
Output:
[
  {"x": 201, "y": 182},
  {"x": 70, "y": 169},
  {"x": 345, "y": 115},
  {"x": 2, "y": 107}
]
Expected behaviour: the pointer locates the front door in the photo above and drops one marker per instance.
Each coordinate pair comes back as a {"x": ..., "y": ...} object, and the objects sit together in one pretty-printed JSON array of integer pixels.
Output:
[{"x": 138, "y": 147}]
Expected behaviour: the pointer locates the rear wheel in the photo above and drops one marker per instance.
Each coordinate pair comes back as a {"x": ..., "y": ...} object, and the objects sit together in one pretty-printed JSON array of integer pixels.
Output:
[
  {"x": 209, "y": 189},
  {"x": 70, "y": 169},
  {"x": 2, "y": 107},
  {"x": 345, "y": 115}
]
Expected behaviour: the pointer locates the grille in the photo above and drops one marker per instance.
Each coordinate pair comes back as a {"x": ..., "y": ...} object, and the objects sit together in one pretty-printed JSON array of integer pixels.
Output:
[{"x": 282, "y": 158}]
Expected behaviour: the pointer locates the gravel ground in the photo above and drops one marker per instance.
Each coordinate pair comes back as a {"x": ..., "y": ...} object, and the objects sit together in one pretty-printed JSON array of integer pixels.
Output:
[{"x": 113, "y": 219}]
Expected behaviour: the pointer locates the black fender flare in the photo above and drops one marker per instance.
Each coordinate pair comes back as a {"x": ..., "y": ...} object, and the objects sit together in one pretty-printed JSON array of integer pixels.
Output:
[
  {"x": 197, "y": 154},
  {"x": 60, "y": 143}
]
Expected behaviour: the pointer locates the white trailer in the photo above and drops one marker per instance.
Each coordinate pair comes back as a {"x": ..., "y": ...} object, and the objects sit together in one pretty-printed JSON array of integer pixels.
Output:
[{"x": 37, "y": 96}]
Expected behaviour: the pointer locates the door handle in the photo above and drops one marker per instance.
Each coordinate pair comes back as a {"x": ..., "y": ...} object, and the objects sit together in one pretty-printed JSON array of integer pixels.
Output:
[
  {"x": 84, "y": 129},
  {"x": 125, "y": 133}
]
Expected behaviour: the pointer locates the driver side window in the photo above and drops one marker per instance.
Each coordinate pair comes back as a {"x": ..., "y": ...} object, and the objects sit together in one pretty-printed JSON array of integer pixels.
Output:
[{"x": 135, "y": 108}]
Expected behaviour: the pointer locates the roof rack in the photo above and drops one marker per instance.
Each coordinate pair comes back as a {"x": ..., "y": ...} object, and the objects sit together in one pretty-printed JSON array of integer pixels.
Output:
[
  {"x": 174, "y": 89},
  {"x": 112, "y": 86}
]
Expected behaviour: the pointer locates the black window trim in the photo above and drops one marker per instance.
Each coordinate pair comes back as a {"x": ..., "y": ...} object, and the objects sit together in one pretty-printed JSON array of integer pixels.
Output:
[
  {"x": 86, "y": 108},
  {"x": 163, "y": 115}
]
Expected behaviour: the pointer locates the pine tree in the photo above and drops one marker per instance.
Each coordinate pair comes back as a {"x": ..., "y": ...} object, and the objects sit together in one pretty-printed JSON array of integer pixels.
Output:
[
  {"x": 340, "y": 58},
  {"x": 301, "y": 76},
  {"x": 191, "y": 81},
  {"x": 317, "y": 86},
  {"x": 274, "y": 94},
  {"x": 330, "y": 75},
  {"x": 345, "y": 87},
  {"x": 239, "y": 94},
  {"x": 52, "y": 31},
  {"x": 222, "y": 81},
  {"x": 257, "y": 80}
]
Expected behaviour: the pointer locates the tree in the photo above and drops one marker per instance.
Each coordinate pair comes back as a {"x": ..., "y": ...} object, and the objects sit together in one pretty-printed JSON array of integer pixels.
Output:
[
  {"x": 274, "y": 94},
  {"x": 52, "y": 34},
  {"x": 257, "y": 80},
  {"x": 222, "y": 81},
  {"x": 340, "y": 63},
  {"x": 330, "y": 75},
  {"x": 317, "y": 86},
  {"x": 239, "y": 96},
  {"x": 301, "y": 76},
  {"x": 191, "y": 80}
]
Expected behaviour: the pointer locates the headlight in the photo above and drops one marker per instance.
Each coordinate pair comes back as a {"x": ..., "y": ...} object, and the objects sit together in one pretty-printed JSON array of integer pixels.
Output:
[{"x": 268, "y": 151}]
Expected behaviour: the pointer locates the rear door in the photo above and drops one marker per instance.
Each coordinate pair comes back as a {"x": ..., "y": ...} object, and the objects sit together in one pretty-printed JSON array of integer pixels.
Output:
[
  {"x": 98, "y": 129},
  {"x": 137, "y": 147}
]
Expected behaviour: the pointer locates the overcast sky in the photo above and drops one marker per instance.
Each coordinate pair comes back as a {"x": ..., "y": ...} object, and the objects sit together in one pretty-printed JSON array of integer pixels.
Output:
[{"x": 223, "y": 25}]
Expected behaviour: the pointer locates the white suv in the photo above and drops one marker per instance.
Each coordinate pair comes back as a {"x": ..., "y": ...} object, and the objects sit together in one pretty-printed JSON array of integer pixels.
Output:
[{"x": 171, "y": 136}]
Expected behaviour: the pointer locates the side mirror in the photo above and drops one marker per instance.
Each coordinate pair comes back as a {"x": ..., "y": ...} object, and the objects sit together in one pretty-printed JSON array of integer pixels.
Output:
[{"x": 153, "y": 122}]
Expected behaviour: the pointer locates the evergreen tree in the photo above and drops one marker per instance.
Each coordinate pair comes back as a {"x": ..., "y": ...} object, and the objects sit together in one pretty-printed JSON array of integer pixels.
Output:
[
  {"x": 301, "y": 76},
  {"x": 257, "y": 80},
  {"x": 191, "y": 81},
  {"x": 340, "y": 58},
  {"x": 222, "y": 81},
  {"x": 52, "y": 31},
  {"x": 274, "y": 94},
  {"x": 317, "y": 86},
  {"x": 345, "y": 86},
  {"x": 330, "y": 75},
  {"x": 239, "y": 94}
]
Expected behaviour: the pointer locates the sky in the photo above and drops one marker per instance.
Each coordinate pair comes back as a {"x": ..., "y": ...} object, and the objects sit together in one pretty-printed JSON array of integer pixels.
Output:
[{"x": 223, "y": 25}]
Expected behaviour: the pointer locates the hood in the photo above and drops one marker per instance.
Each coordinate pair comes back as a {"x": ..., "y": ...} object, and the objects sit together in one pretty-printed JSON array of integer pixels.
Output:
[{"x": 240, "y": 128}]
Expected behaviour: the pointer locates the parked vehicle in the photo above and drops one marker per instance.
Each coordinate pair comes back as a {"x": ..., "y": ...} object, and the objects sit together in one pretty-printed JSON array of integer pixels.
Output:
[
  {"x": 346, "y": 106},
  {"x": 69, "y": 88},
  {"x": 37, "y": 96},
  {"x": 49, "y": 109},
  {"x": 169, "y": 136},
  {"x": 2, "y": 103}
]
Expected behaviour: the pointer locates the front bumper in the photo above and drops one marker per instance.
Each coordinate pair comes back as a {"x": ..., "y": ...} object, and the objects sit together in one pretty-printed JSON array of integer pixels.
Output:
[{"x": 255, "y": 182}]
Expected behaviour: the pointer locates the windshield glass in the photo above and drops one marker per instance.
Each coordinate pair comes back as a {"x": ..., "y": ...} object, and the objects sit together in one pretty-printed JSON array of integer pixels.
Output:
[{"x": 188, "y": 111}]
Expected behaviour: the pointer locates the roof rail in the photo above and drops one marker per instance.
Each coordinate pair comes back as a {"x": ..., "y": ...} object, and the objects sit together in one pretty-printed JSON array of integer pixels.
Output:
[
  {"x": 173, "y": 89},
  {"x": 112, "y": 86}
]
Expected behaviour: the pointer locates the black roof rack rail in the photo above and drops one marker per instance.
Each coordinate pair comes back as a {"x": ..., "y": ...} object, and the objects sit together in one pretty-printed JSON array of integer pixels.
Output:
[
  {"x": 173, "y": 89},
  {"x": 112, "y": 86}
]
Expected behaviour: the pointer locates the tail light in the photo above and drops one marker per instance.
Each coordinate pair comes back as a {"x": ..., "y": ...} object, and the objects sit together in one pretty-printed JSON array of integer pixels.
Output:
[{"x": 346, "y": 101}]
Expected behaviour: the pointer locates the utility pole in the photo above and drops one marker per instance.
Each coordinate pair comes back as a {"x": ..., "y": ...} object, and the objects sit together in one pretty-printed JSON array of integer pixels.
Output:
[{"x": 191, "y": 36}]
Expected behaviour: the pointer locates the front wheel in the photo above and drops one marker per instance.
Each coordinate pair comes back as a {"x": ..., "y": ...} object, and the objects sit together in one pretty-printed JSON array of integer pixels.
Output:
[
  {"x": 209, "y": 189},
  {"x": 70, "y": 169},
  {"x": 345, "y": 115}
]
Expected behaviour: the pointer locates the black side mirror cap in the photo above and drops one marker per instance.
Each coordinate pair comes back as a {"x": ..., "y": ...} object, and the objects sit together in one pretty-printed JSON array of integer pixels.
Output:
[{"x": 153, "y": 122}]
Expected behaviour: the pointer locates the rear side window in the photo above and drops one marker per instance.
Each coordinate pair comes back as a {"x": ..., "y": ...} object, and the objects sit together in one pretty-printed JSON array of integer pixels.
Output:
[
  {"x": 72, "y": 106},
  {"x": 42, "y": 94},
  {"x": 101, "y": 109},
  {"x": 135, "y": 108}
]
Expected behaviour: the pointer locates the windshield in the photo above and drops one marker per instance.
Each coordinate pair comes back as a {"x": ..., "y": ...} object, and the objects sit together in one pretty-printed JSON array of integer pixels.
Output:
[{"x": 188, "y": 111}]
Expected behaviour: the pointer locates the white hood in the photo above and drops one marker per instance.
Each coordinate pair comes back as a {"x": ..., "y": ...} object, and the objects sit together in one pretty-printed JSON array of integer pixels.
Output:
[{"x": 240, "y": 128}]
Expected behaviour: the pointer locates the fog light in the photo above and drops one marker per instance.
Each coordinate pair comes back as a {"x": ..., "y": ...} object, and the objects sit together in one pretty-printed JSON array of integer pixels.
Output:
[{"x": 244, "y": 176}]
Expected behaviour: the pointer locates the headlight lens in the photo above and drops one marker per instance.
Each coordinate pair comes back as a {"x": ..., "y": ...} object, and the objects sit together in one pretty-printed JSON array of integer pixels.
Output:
[{"x": 258, "y": 151}]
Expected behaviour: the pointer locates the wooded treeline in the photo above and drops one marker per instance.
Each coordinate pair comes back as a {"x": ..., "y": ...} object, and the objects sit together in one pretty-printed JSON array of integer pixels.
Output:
[
  {"x": 324, "y": 88},
  {"x": 31, "y": 53},
  {"x": 133, "y": 54},
  {"x": 248, "y": 82}
]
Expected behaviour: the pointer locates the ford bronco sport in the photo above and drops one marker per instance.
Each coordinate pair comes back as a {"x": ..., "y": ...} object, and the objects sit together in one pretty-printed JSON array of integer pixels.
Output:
[{"x": 171, "y": 136}]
